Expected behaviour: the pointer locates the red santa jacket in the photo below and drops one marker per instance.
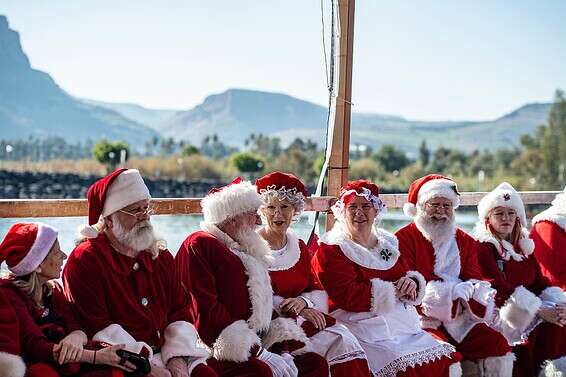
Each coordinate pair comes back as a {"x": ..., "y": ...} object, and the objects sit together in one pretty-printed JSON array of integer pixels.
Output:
[
  {"x": 10, "y": 350},
  {"x": 549, "y": 235},
  {"x": 40, "y": 329},
  {"x": 457, "y": 262},
  {"x": 231, "y": 295},
  {"x": 137, "y": 301}
]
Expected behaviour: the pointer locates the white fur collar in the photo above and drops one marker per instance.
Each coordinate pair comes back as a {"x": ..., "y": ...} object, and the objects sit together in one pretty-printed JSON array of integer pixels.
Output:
[
  {"x": 505, "y": 248},
  {"x": 382, "y": 257},
  {"x": 290, "y": 256},
  {"x": 555, "y": 214},
  {"x": 256, "y": 261}
]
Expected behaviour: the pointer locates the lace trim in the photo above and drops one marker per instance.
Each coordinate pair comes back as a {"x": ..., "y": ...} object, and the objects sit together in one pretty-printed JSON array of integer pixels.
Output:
[
  {"x": 409, "y": 361},
  {"x": 348, "y": 357}
]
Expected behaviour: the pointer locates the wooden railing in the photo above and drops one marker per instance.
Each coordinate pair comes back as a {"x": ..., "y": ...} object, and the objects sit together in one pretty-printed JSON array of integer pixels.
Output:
[{"x": 14, "y": 208}]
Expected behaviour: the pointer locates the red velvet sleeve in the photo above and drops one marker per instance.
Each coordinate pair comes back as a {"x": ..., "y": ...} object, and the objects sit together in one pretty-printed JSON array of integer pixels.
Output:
[
  {"x": 487, "y": 257},
  {"x": 203, "y": 288},
  {"x": 9, "y": 327},
  {"x": 80, "y": 277},
  {"x": 468, "y": 247},
  {"x": 541, "y": 282},
  {"x": 550, "y": 252},
  {"x": 64, "y": 309},
  {"x": 407, "y": 260},
  {"x": 34, "y": 345},
  {"x": 338, "y": 277},
  {"x": 179, "y": 299}
]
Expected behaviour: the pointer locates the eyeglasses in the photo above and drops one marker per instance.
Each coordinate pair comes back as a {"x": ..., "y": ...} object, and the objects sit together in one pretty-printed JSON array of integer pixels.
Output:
[
  {"x": 438, "y": 206},
  {"x": 139, "y": 213},
  {"x": 503, "y": 214}
]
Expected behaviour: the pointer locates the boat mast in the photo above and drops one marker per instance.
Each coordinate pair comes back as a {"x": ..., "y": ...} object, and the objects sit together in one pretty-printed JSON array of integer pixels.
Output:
[{"x": 338, "y": 166}]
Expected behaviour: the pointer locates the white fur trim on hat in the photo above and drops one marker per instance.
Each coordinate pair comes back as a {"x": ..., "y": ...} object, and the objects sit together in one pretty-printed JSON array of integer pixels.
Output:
[
  {"x": 503, "y": 195},
  {"x": 46, "y": 236},
  {"x": 12, "y": 365},
  {"x": 435, "y": 188},
  {"x": 410, "y": 209},
  {"x": 126, "y": 189},
  {"x": 231, "y": 201}
]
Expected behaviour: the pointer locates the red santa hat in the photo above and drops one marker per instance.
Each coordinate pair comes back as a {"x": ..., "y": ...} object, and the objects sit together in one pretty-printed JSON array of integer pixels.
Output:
[
  {"x": 117, "y": 190},
  {"x": 428, "y": 187},
  {"x": 226, "y": 202},
  {"x": 503, "y": 195},
  {"x": 360, "y": 187},
  {"x": 282, "y": 182},
  {"x": 26, "y": 245}
]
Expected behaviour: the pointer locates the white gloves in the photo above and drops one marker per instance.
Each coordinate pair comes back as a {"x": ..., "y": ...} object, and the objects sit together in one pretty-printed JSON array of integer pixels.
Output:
[
  {"x": 281, "y": 366},
  {"x": 463, "y": 290}
]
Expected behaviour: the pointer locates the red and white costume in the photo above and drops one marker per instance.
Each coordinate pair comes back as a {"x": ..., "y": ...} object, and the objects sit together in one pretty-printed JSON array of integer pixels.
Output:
[
  {"x": 521, "y": 287},
  {"x": 444, "y": 265},
  {"x": 292, "y": 276},
  {"x": 137, "y": 301},
  {"x": 549, "y": 235},
  {"x": 232, "y": 299},
  {"x": 10, "y": 360},
  {"x": 362, "y": 297}
]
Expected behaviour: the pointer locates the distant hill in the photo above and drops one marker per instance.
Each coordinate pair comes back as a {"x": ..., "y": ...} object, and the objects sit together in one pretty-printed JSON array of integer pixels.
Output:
[{"x": 31, "y": 103}]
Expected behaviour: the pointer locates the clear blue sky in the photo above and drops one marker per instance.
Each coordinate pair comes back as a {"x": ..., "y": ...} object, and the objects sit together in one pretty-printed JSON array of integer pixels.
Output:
[{"x": 425, "y": 60}]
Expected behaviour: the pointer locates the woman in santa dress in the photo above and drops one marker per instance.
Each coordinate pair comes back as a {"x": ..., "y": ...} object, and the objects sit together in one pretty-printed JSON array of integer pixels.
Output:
[
  {"x": 51, "y": 341},
  {"x": 371, "y": 293},
  {"x": 532, "y": 313},
  {"x": 294, "y": 289}
]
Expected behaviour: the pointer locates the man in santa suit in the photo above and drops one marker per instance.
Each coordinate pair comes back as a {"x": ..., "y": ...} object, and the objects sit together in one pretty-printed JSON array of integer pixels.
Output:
[
  {"x": 549, "y": 235},
  {"x": 11, "y": 364},
  {"x": 225, "y": 265},
  {"x": 122, "y": 281},
  {"x": 457, "y": 302}
]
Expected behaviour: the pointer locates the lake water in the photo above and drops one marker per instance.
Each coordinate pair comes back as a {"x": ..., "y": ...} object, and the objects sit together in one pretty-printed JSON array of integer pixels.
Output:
[{"x": 175, "y": 228}]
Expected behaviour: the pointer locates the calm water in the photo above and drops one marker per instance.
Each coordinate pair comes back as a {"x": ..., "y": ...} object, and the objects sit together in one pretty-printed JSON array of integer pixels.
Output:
[{"x": 176, "y": 228}]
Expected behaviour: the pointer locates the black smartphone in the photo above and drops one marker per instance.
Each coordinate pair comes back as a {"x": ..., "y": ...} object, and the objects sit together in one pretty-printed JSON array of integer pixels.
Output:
[{"x": 141, "y": 362}]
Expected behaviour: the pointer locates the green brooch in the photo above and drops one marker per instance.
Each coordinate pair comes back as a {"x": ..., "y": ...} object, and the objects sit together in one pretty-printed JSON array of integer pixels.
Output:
[{"x": 385, "y": 254}]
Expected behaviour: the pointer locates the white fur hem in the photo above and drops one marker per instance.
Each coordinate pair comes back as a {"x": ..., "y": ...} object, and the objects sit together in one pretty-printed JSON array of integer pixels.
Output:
[
  {"x": 319, "y": 298},
  {"x": 498, "y": 366},
  {"x": 235, "y": 342},
  {"x": 12, "y": 365},
  {"x": 554, "y": 368},
  {"x": 116, "y": 334},
  {"x": 421, "y": 287},
  {"x": 437, "y": 301},
  {"x": 382, "y": 296},
  {"x": 455, "y": 370},
  {"x": 281, "y": 329},
  {"x": 181, "y": 339},
  {"x": 520, "y": 308}
]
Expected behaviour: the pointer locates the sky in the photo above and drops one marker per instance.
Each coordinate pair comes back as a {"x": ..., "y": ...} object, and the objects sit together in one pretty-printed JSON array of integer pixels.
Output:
[{"x": 423, "y": 60}]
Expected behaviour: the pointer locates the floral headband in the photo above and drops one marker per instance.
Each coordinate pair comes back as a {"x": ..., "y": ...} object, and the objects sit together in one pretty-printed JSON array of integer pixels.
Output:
[{"x": 377, "y": 203}]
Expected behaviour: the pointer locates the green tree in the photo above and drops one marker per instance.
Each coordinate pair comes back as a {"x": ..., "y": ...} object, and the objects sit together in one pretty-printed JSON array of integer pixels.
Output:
[
  {"x": 109, "y": 154},
  {"x": 247, "y": 162},
  {"x": 424, "y": 154},
  {"x": 189, "y": 150},
  {"x": 391, "y": 158}
]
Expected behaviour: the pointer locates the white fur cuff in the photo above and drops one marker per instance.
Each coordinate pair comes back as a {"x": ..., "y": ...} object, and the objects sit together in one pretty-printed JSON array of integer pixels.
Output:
[
  {"x": 553, "y": 295},
  {"x": 235, "y": 342},
  {"x": 12, "y": 365},
  {"x": 421, "y": 287},
  {"x": 437, "y": 301},
  {"x": 116, "y": 334},
  {"x": 281, "y": 329},
  {"x": 181, "y": 339},
  {"x": 382, "y": 296},
  {"x": 319, "y": 298},
  {"x": 520, "y": 308}
]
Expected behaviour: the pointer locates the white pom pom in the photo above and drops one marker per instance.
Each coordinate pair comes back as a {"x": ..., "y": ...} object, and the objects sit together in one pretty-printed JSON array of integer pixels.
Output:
[
  {"x": 88, "y": 231},
  {"x": 527, "y": 246},
  {"x": 410, "y": 209},
  {"x": 12, "y": 365}
]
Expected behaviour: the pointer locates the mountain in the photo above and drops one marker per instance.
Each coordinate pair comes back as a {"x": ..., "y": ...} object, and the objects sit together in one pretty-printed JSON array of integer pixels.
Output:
[
  {"x": 237, "y": 113},
  {"x": 32, "y": 104},
  {"x": 153, "y": 118}
]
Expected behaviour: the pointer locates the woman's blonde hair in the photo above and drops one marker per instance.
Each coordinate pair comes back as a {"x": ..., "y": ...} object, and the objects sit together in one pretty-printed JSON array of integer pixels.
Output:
[{"x": 31, "y": 286}]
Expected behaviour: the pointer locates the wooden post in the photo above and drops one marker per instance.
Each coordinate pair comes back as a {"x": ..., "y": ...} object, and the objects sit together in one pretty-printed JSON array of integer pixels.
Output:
[{"x": 339, "y": 155}]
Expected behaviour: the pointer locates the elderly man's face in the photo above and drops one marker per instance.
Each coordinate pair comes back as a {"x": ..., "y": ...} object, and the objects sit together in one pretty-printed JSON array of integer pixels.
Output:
[
  {"x": 439, "y": 209},
  {"x": 134, "y": 214}
]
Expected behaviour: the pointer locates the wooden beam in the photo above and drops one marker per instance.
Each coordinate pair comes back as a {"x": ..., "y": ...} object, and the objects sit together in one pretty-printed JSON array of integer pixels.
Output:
[
  {"x": 18, "y": 208},
  {"x": 338, "y": 164}
]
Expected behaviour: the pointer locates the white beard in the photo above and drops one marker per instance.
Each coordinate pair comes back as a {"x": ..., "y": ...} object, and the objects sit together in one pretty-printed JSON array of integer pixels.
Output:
[
  {"x": 253, "y": 244},
  {"x": 142, "y": 237},
  {"x": 435, "y": 232}
]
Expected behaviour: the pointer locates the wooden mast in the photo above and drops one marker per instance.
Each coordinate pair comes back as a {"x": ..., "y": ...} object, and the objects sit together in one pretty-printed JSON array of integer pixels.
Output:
[{"x": 338, "y": 166}]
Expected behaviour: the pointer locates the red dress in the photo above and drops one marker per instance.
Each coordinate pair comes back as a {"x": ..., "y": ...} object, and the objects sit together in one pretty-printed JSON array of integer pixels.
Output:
[
  {"x": 232, "y": 302},
  {"x": 292, "y": 276},
  {"x": 362, "y": 297},
  {"x": 519, "y": 277},
  {"x": 139, "y": 302},
  {"x": 443, "y": 267},
  {"x": 549, "y": 235}
]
